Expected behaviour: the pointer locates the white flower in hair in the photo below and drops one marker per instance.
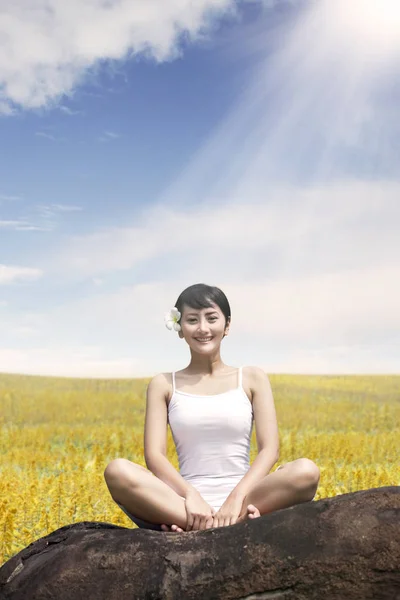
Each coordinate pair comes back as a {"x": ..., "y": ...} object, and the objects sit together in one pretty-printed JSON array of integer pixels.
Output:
[{"x": 171, "y": 319}]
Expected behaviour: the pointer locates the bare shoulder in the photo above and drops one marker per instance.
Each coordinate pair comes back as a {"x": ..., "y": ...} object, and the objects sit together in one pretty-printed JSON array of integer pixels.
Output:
[
  {"x": 160, "y": 385},
  {"x": 255, "y": 374},
  {"x": 256, "y": 380}
]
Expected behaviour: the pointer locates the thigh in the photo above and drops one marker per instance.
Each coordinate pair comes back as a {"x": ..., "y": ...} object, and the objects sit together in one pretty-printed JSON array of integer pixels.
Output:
[
  {"x": 122, "y": 472},
  {"x": 259, "y": 489}
]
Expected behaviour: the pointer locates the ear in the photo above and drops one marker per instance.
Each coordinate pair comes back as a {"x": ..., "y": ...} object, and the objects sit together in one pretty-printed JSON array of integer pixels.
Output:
[{"x": 228, "y": 322}]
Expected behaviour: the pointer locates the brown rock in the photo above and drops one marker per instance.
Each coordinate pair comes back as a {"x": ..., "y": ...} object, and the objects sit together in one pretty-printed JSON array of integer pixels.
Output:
[{"x": 342, "y": 548}]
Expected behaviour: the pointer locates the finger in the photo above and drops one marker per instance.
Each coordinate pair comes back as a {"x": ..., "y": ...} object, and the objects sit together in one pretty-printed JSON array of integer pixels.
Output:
[
  {"x": 189, "y": 523},
  {"x": 196, "y": 524},
  {"x": 209, "y": 522},
  {"x": 227, "y": 521},
  {"x": 202, "y": 524}
]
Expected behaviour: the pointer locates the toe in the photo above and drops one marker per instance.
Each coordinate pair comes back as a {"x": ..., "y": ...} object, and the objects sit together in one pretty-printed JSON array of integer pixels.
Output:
[{"x": 253, "y": 511}]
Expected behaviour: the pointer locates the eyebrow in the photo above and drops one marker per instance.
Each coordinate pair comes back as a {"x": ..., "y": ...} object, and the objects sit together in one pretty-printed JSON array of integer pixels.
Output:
[{"x": 210, "y": 312}]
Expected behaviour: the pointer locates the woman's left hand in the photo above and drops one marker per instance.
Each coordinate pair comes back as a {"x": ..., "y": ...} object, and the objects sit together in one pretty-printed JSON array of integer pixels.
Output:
[{"x": 229, "y": 512}]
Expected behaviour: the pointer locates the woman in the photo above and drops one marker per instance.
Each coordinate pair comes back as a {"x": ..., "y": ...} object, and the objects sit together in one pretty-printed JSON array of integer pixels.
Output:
[{"x": 211, "y": 408}]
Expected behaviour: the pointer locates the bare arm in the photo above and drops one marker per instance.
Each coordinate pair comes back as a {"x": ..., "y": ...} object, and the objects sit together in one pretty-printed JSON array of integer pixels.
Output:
[{"x": 155, "y": 438}]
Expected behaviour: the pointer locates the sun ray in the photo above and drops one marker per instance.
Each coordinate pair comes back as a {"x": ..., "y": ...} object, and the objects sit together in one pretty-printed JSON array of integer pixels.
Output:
[{"x": 368, "y": 23}]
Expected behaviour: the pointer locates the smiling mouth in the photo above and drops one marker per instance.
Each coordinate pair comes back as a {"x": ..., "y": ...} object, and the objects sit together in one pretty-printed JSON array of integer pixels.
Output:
[{"x": 203, "y": 340}]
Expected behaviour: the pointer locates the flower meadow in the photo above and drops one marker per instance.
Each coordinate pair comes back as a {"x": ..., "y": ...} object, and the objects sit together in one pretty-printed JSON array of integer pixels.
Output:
[{"x": 57, "y": 435}]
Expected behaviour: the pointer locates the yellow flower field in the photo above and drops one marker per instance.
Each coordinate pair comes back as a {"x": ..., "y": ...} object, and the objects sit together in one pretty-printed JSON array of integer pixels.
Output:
[{"x": 57, "y": 436}]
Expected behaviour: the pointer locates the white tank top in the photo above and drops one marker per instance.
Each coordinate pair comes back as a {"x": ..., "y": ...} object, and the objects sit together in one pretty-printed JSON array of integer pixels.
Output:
[{"x": 212, "y": 433}]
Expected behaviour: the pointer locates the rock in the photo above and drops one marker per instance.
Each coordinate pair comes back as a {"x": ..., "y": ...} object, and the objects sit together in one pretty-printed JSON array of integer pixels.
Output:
[{"x": 343, "y": 548}]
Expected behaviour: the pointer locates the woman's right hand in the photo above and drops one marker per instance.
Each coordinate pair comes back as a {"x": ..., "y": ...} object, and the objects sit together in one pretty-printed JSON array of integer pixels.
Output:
[{"x": 199, "y": 514}]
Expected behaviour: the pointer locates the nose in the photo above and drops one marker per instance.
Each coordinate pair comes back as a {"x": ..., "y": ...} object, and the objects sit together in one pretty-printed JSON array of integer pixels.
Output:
[{"x": 203, "y": 326}]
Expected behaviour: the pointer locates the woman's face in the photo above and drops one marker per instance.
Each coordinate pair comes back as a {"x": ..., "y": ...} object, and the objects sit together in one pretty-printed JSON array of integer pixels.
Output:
[{"x": 203, "y": 328}]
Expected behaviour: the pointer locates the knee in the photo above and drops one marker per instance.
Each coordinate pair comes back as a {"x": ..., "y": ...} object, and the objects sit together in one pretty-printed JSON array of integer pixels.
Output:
[
  {"x": 306, "y": 476},
  {"x": 115, "y": 471}
]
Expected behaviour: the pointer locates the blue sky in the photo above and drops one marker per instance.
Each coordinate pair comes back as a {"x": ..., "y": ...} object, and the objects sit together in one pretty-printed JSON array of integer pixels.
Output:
[{"x": 148, "y": 146}]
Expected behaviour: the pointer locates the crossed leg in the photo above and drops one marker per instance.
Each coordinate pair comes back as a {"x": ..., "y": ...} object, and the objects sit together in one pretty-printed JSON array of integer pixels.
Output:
[
  {"x": 293, "y": 483},
  {"x": 143, "y": 494},
  {"x": 150, "y": 499}
]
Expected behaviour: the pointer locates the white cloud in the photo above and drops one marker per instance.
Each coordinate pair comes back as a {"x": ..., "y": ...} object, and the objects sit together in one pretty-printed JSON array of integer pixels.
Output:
[
  {"x": 69, "y": 111},
  {"x": 68, "y": 362},
  {"x": 308, "y": 272},
  {"x": 108, "y": 136},
  {"x": 30, "y": 227},
  {"x": 48, "y": 136},
  {"x": 48, "y": 47},
  {"x": 22, "y": 226},
  {"x": 45, "y": 217},
  {"x": 340, "y": 360},
  {"x": 97, "y": 281},
  {"x": 14, "y": 274},
  {"x": 9, "y": 198},
  {"x": 66, "y": 207},
  {"x": 48, "y": 211},
  {"x": 11, "y": 224},
  {"x": 25, "y": 331},
  {"x": 346, "y": 322},
  {"x": 344, "y": 307},
  {"x": 295, "y": 226}
]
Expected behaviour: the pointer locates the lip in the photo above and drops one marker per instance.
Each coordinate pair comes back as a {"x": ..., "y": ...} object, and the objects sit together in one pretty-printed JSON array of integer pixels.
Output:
[{"x": 203, "y": 341}]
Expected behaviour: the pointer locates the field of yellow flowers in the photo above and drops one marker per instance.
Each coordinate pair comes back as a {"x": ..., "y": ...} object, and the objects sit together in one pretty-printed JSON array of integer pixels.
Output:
[{"x": 58, "y": 435}]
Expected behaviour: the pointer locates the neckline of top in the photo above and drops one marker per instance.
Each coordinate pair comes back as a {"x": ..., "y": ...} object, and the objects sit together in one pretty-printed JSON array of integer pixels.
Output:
[{"x": 239, "y": 387}]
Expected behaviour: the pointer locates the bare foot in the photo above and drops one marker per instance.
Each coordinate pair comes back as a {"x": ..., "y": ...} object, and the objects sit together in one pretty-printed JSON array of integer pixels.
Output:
[
  {"x": 172, "y": 528},
  {"x": 252, "y": 512}
]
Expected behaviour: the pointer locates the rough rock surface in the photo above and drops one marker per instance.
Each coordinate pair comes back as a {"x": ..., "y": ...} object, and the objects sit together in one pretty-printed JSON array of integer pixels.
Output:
[{"x": 343, "y": 548}]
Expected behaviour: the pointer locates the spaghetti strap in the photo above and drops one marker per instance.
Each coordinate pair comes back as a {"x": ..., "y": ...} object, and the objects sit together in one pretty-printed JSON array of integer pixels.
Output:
[
  {"x": 173, "y": 382},
  {"x": 240, "y": 377}
]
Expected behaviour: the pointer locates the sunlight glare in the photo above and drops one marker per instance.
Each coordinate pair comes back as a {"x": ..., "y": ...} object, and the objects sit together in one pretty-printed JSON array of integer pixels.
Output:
[{"x": 375, "y": 22}]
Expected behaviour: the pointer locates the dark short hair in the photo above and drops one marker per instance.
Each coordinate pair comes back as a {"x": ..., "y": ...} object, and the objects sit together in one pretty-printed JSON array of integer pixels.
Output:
[{"x": 201, "y": 295}]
